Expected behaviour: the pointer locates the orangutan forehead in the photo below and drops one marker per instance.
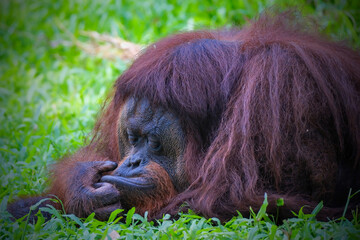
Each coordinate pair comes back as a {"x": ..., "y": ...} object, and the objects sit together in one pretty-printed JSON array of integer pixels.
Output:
[
  {"x": 141, "y": 116},
  {"x": 140, "y": 113}
]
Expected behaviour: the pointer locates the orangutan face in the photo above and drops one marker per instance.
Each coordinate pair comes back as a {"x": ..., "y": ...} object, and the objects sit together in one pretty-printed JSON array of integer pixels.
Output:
[{"x": 151, "y": 143}]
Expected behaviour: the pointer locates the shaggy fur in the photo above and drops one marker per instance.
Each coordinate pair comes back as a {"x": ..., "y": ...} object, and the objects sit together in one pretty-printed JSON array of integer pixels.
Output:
[{"x": 271, "y": 108}]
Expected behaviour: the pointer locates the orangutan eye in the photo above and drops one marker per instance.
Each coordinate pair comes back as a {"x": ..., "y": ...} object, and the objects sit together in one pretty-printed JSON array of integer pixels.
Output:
[
  {"x": 133, "y": 138},
  {"x": 154, "y": 144}
]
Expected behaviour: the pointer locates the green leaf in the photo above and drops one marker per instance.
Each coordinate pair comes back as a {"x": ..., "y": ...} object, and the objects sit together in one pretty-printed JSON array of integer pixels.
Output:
[
  {"x": 75, "y": 219},
  {"x": 114, "y": 214},
  {"x": 40, "y": 221},
  {"x": 317, "y": 208},
  {"x": 129, "y": 216},
  {"x": 90, "y": 218},
  {"x": 280, "y": 202},
  {"x": 262, "y": 211}
]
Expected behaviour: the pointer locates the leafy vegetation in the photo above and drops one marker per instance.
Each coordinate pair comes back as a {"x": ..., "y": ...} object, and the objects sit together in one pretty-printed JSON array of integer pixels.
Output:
[{"x": 51, "y": 90}]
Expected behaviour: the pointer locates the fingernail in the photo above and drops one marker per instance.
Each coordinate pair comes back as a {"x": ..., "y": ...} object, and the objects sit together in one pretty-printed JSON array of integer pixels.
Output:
[{"x": 111, "y": 163}]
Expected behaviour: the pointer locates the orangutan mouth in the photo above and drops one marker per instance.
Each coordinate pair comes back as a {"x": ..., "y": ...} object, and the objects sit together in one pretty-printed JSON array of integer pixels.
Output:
[{"x": 128, "y": 183}]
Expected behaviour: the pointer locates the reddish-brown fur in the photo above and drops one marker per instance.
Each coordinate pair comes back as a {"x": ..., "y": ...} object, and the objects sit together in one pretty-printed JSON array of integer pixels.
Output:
[
  {"x": 273, "y": 109},
  {"x": 154, "y": 201},
  {"x": 269, "y": 108},
  {"x": 63, "y": 181}
]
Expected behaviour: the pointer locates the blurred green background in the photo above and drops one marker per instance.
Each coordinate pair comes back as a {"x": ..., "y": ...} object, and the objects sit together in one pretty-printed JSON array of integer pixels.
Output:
[{"x": 51, "y": 89}]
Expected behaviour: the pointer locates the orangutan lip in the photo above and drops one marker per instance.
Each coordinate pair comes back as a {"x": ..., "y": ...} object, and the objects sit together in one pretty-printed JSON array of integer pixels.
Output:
[{"x": 124, "y": 182}]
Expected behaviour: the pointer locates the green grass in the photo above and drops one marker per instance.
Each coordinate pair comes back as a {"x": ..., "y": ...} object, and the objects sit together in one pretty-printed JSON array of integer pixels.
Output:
[{"x": 51, "y": 91}]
